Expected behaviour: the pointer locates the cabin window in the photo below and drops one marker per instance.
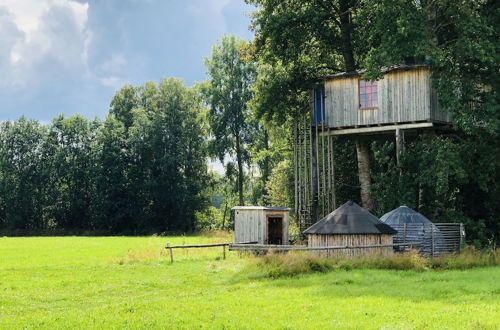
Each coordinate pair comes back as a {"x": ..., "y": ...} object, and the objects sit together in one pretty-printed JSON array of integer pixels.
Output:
[{"x": 368, "y": 96}]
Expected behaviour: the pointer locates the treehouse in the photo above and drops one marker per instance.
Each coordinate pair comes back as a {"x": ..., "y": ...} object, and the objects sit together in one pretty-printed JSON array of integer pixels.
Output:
[
  {"x": 402, "y": 104},
  {"x": 402, "y": 99}
]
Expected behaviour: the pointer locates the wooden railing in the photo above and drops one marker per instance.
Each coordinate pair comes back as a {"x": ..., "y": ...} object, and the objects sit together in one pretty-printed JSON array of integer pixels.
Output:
[
  {"x": 196, "y": 246},
  {"x": 265, "y": 247}
]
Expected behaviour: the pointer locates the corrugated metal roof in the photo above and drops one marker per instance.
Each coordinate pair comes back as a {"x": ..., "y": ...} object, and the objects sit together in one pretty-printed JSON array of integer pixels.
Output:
[
  {"x": 402, "y": 215},
  {"x": 266, "y": 208},
  {"x": 350, "y": 218}
]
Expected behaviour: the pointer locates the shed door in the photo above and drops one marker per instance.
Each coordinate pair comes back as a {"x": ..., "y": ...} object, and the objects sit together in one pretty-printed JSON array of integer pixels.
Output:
[{"x": 275, "y": 230}]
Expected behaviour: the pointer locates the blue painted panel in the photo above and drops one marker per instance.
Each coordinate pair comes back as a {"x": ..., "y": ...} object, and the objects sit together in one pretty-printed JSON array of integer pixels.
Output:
[{"x": 319, "y": 105}]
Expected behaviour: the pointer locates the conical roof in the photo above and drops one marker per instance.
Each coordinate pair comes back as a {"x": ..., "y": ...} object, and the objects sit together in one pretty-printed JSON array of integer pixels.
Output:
[
  {"x": 402, "y": 215},
  {"x": 350, "y": 218}
]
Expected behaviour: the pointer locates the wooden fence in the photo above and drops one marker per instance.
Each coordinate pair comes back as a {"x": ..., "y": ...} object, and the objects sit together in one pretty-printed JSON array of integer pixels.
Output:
[
  {"x": 265, "y": 247},
  {"x": 432, "y": 240},
  {"x": 197, "y": 246}
]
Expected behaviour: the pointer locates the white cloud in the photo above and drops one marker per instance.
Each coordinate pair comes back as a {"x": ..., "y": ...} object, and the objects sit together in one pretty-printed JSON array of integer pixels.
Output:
[
  {"x": 36, "y": 35},
  {"x": 112, "y": 81},
  {"x": 115, "y": 64}
]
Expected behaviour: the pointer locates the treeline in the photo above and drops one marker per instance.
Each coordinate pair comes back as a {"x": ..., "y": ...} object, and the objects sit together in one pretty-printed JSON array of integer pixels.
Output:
[{"x": 143, "y": 169}]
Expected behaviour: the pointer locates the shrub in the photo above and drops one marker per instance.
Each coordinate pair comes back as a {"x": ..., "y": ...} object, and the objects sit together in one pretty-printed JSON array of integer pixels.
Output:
[
  {"x": 276, "y": 265},
  {"x": 468, "y": 258}
]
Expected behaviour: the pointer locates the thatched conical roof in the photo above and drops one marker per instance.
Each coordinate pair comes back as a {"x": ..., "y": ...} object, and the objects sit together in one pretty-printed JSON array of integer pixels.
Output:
[{"x": 350, "y": 218}]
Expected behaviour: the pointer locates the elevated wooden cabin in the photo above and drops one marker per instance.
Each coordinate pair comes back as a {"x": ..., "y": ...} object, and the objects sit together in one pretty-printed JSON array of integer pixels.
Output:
[
  {"x": 350, "y": 225},
  {"x": 404, "y": 97},
  {"x": 264, "y": 225},
  {"x": 400, "y": 105}
]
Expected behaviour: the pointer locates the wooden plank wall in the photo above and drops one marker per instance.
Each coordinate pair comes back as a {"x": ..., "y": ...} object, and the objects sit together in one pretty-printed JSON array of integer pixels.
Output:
[
  {"x": 403, "y": 96},
  {"x": 351, "y": 240},
  {"x": 248, "y": 226},
  {"x": 251, "y": 225}
]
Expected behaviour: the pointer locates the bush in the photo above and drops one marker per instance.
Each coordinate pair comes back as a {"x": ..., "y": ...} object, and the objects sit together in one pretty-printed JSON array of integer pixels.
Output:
[
  {"x": 276, "y": 265},
  {"x": 468, "y": 258},
  {"x": 208, "y": 219}
]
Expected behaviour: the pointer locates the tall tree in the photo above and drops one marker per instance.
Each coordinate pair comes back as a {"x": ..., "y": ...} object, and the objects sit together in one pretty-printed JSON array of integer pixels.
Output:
[
  {"x": 304, "y": 41},
  {"x": 71, "y": 143},
  {"x": 228, "y": 92},
  {"x": 24, "y": 175}
]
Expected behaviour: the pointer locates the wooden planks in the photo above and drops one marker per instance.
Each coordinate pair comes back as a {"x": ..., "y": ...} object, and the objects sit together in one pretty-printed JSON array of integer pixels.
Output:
[
  {"x": 403, "y": 96},
  {"x": 363, "y": 244}
]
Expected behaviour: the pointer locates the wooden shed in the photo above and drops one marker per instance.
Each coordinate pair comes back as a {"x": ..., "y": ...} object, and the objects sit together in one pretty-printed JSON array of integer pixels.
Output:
[
  {"x": 351, "y": 225},
  {"x": 264, "y": 225}
]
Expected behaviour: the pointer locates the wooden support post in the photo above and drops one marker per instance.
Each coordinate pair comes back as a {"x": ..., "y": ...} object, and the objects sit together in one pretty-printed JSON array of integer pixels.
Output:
[
  {"x": 462, "y": 234},
  {"x": 400, "y": 138},
  {"x": 296, "y": 167},
  {"x": 363, "y": 153},
  {"x": 432, "y": 242},
  {"x": 224, "y": 252},
  {"x": 404, "y": 236},
  {"x": 314, "y": 174},
  {"x": 334, "y": 191},
  {"x": 171, "y": 253}
]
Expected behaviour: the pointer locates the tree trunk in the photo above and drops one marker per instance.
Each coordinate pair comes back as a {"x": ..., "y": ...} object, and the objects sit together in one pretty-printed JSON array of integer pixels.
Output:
[
  {"x": 400, "y": 140},
  {"x": 345, "y": 28},
  {"x": 265, "y": 170},
  {"x": 239, "y": 160},
  {"x": 363, "y": 154},
  {"x": 224, "y": 216}
]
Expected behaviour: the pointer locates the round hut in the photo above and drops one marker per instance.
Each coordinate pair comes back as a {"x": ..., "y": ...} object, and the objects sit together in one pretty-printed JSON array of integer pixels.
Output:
[
  {"x": 350, "y": 225},
  {"x": 413, "y": 227}
]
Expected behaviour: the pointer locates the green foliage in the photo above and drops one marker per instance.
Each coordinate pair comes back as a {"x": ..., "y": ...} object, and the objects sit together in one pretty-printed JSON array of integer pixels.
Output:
[
  {"x": 144, "y": 169},
  {"x": 227, "y": 92},
  {"x": 276, "y": 265},
  {"x": 25, "y": 180},
  {"x": 209, "y": 219},
  {"x": 453, "y": 178},
  {"x": 280, "y": 185},
  {"x": 467, "y": 259}
]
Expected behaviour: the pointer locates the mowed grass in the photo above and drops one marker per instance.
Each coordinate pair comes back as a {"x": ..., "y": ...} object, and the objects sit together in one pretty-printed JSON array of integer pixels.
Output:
[{"x": 128, "y": 282}]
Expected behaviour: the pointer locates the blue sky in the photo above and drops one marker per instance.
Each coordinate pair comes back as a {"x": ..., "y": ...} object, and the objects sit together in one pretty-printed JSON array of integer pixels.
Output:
[{"x": 68, "y": 56}]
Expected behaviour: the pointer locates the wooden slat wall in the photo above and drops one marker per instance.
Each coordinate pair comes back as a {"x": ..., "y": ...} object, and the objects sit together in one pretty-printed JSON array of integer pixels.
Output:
[
  {"x": 248, "y": 226},
  {"x": 351, "y": 240},
  {"x": 403, "y": 96},
  {"x": 251, "y": 225}
]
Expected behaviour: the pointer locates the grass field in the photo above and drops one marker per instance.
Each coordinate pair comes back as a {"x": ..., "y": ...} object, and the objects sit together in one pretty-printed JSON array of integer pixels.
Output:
[{"x": 125, "y": 282}]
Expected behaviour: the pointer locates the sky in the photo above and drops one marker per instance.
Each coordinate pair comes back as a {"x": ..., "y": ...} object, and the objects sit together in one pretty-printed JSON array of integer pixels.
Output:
[{"x": 69, "y": 56}]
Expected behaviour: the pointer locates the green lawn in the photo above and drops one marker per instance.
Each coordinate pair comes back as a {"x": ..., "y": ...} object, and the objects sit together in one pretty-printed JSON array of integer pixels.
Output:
[{"x": 122, "y": 282}]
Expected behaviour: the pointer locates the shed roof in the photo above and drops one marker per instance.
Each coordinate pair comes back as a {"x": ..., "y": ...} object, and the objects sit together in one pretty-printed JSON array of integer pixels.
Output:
[
  {"x": 265, "y": 208},
  {"x": 350, "y": 218},
  {"x": 383, "y": 70},
  {"x": 402, "y": 215}
]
